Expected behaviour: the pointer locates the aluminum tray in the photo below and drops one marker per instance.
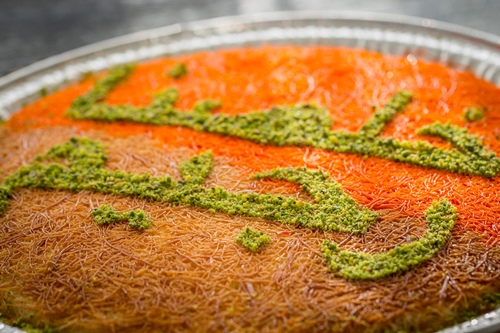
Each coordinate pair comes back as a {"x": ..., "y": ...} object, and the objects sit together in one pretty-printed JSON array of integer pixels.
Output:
[{"x": 450, "y": 44}]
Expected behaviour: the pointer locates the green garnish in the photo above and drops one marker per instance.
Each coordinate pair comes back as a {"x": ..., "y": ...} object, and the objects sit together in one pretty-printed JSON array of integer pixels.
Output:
[
  {"x": 24, "y": 323},
  {"x": 82, "y": 168},
  {"x": 178, "y": 71},
  {"x": 137, "y": 219},
  {"x": 43, "y": 91},
  {"x": 252, "y": 239},
  {"x": 376, "y": 124},
  {"x": 301, "y": 125},
  {"x": 103, "y": 86},
  {"x": 197, "y": 169},
  {"x": 440, "y": 217},
  {"x": 474, "y": 113}
]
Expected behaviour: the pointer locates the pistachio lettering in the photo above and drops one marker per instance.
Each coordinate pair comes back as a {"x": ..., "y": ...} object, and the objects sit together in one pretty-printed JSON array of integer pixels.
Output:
[
  {"x": 297, "y": 125},
  {"x": 79, "y": 164}
]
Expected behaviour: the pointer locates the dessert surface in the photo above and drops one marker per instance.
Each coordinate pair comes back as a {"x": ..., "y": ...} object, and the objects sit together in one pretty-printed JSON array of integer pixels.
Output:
[{"x": 260, "y": 189}]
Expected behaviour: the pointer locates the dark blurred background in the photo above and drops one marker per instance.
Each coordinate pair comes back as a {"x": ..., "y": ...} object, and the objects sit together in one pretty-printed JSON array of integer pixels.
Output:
[{"x": 31, "y": 30}]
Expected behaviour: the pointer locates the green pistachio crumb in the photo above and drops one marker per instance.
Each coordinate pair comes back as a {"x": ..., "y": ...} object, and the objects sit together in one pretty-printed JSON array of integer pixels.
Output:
[
  {"x": 488, "y": 302},
  {"x": 25, "y": 324},
  {"x": 178, "y": 71},
  {"x": 137, "y": 219},
  {"x": 43, "y": 91},
  {"x": 197, "y": 169},
  {"x": 474, "y": 113},
  {"x": 440, "y": 217},
  {"x": 386, "y": 114},
  {"x": 101, "y": 88},
  {"x": 5, "y": 194},
  {"x": 252, "y": 239}
]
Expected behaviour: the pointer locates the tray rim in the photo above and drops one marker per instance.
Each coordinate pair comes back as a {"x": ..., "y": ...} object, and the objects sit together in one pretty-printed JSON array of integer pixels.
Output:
[{"x": 472, "y": 34}]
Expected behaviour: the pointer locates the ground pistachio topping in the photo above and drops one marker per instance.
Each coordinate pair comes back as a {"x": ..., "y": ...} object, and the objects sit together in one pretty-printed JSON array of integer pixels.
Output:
[
  {"x": 253, "y": 240},
  {"x": 137, "y": 218},
  {"x": 103, "y": 86},
  {"x": 197, "y": 169},
  {"x": 488, "y": 302},
  {"x": 297, "y": 125},
  {"x": 178, "y": 71},
  {"x": 376, "y": 124},
  {"x": 474, "y": 113},
  {"x": 81, "y": 167},
  {"x": 28, "y": 328},
  {"x": 440, "y": 218},
  {"x": 79, "y": 164}
]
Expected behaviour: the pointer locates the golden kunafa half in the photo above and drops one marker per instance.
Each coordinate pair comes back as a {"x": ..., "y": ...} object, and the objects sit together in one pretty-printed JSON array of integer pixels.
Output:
[{"x": 266, "y": 189}]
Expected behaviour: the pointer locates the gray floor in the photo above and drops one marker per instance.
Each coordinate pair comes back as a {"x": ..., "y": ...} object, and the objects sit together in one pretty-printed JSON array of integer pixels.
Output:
[{"x": 32, "y": 30}]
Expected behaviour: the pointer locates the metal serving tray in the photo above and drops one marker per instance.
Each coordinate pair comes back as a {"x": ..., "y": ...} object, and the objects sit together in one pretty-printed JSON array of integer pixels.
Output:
[{"x": 453, "y": 45}]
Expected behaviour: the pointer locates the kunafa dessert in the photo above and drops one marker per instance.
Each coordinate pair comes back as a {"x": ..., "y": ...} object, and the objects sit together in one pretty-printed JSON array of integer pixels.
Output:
[{"x": 262, "y": 189}]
